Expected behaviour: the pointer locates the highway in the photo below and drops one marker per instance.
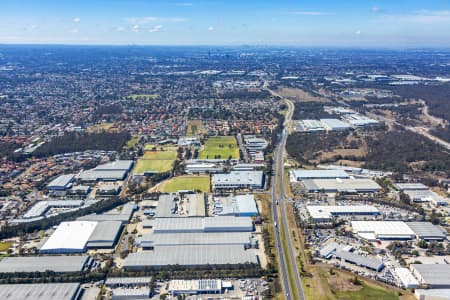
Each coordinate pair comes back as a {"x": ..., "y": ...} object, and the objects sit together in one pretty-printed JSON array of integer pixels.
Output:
[{"x": 280, "y": 220}]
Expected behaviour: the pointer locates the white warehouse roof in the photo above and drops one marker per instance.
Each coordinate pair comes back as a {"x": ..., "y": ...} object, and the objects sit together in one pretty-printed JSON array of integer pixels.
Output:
[
  {"x": 301, "y": 174},
  {"x": 324, "y": 212},
  {"x": 69, "y": 237},
  {"x": 341, "y": 185},
  {"x": 372, "y": 230},
  {"x": 407, "y": 279},
  {"x": 61, "y": 182},
  {"x": 434, "y": 275}
]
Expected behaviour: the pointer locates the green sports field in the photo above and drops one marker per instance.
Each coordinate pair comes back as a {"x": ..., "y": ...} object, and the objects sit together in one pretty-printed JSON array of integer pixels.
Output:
[
  {"x": 221, "y": 147},
  {"x": 156, "y": 162},
  {"x": 189, "y": 182}
]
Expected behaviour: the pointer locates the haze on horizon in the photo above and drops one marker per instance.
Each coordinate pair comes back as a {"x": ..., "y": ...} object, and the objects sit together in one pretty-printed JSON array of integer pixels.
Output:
[{"x": 349, "y": 23}]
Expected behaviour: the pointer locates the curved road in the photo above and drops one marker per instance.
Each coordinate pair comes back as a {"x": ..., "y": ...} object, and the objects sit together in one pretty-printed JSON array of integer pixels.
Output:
[{"x": 280, "y": 221}]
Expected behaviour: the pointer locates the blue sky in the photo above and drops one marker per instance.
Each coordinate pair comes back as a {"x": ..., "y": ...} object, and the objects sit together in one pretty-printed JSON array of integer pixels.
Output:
[{"x": 355, "y": 23}]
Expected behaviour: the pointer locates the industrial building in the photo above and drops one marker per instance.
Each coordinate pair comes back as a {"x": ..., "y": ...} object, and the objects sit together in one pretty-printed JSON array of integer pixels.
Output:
[
  {"x": 201, "y": 168},
  {"x": 334, "y": 125},
  {"x": 406, "y": 278},
  {"x": 434, "y": 294},
  {"x": 357, "y": 120},
  {"x": 341, "y": 185},
  {"x": 436, "y": 276},
  {"x": 131, "y": 293},
  {"x": 42, "y": 207},
  {"x": 123, "y": 214},
  {"x": 150, "y": 241},
  {"x": 411, "y": 186},
  {"x": 193, "y": 287},
  {"x": 61, "y": 183},
  {"x": 239, "y": 180},
  {"x": 47, "y": 291},
  {"x": 371, "y": 263},
  {"x": 207, "y": 224},
  {"x": 112, "y": 171},
  {"x": 190, "y": 256},
  {"x": 57, "y": 264},
  {"x": 105, "y": 235},
  {"x": 383, "y": 230},
  {"x": 69, "y": 237},
  {"x": 239, "y": 206},
  {"x": 302, "y": 174},
  {"x": 427, "y": 231},
  {"x": 309, "y": 126},
  {"x": 323, "y": 213},
  {"x": 115, "y": 282}
]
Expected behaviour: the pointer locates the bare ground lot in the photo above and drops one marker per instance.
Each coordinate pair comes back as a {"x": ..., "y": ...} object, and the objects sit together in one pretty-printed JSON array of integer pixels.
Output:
[{"x": 300, "y": 95}]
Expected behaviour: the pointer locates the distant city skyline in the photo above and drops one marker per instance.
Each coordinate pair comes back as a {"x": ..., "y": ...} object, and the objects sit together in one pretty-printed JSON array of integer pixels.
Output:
[{"x": 350, "y": 23}]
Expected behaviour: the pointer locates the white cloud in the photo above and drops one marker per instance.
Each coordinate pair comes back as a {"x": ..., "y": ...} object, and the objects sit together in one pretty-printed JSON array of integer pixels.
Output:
[
  {"x": 74, "y": 30},
  {"x": 135, "y": 28},
  {"x": 120, "y": 28},
  {"x": 311, "y": 13},
  {"x": 147, "y": 20},
  {"x": 155, "y": 28},
  {"x": 76, "y": 20},
  {"x": 358, "y": 32},
  {"x": 185, "y": 4},
  {"x": 375, "y": 9},
  {"x": 210, "y": 28},
  {"x": 420, "y": 16}
]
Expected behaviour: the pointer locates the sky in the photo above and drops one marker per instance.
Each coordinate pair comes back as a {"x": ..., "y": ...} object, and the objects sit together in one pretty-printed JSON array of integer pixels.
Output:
[{"x": 337, "y": 23}]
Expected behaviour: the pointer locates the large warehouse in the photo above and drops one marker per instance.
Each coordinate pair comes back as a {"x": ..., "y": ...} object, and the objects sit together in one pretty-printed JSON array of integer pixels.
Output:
[
  {"x": 190, "y": 256},
  {"x": 207, "y": 224},
  {"x": 69, "y": 237},
  {"x": 105, "y": 235},
  {"x": 427, "y": 231},
  {"x": 239, "y": 180},
  {"x": 371, "y": 263},
  {"x": 113, "y": 171},
  {"x": 61, "y": 183},
  {"x": 239, "y": 206},
  {"x": 301, "y": 174},
  {"x": 341, "y": 185},
  {"x": 57, "y": 264},
  {"x": 198, "y": 238},
  {"x": 436, "y": 276},
  {"x": 323, "y": 213},
  {"x": 383, "y": 230},
  {"x": 47, "y": 291}
]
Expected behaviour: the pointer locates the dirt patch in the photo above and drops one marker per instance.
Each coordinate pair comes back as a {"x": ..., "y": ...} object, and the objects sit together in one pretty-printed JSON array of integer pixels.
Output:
[
  {"x": 300, "y": 95},
  {"x": 339, "y": 284}
]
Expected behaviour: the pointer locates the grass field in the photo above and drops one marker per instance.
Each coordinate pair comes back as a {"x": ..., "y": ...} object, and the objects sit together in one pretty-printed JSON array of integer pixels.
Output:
[
  {"x": 133, "y": 141},
  {"x": 194, "y": 127},
  {"x": 220, "y": 147},
  {"x": 4, "y": 246},
  {"x": 190, "y": 182},
  {"x": 100, "y": 127},
  {"x": 156, "y": 161},
  {"x": 151, "y": 147}
]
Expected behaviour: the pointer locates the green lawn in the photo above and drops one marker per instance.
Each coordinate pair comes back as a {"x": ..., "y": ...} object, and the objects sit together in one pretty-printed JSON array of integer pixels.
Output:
[
  {"x": 194, "y": 127},
  {"x": 151, "y": 165},
  {"x": 367, "y": 293},
  {"x": 185, "y": 183},
  {"x": 160, "y": 155},
  {"x": 133, "y": 141},
  {"x": 4, "y": 246},
  {"x": 220, "y": 147}
]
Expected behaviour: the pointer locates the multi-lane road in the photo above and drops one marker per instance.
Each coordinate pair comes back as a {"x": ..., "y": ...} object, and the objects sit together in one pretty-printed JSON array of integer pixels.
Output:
[{"x": 286, "y": 251}]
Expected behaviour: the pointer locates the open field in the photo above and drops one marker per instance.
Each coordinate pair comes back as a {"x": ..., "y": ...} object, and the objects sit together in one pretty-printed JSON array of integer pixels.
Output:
[
  {"x": 220, "y": 147},
  {"x": 190, "y": 182},
  {"x": 4, "y": 246},
  {"x": 152, "y": 147},
  {"x": 194, "y": 127},
  {"x": 100, "y": 127},
  {"x": 160, "y": 155},
  {"x": 156, "y": 161},
  {"x": 300, "y": 95}
]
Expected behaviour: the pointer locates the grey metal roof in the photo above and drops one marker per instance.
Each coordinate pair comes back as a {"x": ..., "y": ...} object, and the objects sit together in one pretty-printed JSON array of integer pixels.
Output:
[
  {"x": 62, "y": 181},
  {"x": 333, "y": 124},
  {"x": 426, "y": 230},
  {"x": 433, "y": 274},
  {"x": 128, "y": 280},
  {"x": 207, "y": 224},
  {"x": 191, "y": 255},
  {"x": 58, "y": 264},
  {"x": 94, "y": 175},
  {"x": 198, "y": 238},
  {"x": 116, "y": 165},
  {"x": 246, "y": 204},
  {"x": 341, "y": 185},
  {"x": 123, "y": 214},
  {"x": 317, "y": 174},
  {"x": 411, "y": 186},
  {"x": 238, "y": 178},
  {"x": 105, "y": 234},
  {"x": 368, "y": 262},
  {"x": 42, "y": 291}
]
